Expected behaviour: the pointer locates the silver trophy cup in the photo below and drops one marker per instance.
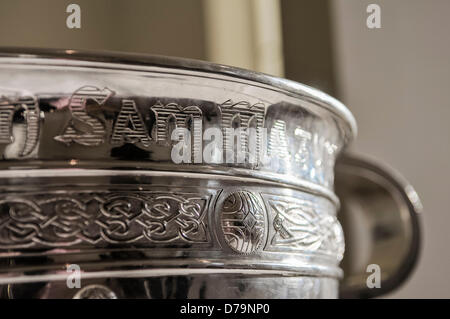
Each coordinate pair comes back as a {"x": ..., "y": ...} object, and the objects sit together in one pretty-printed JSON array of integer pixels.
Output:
[{"x": 127, "y": 176}]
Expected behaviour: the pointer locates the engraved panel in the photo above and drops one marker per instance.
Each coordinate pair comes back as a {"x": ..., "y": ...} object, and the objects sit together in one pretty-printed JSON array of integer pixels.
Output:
[
  {"x": 304, "y": 226},
  {"x": 144, "y": 218}
]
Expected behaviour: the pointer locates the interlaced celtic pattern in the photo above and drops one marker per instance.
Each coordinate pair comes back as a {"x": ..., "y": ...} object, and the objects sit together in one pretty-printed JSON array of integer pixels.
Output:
[
  {"x": 302, "y": 227},
  {"x": 144, "y": 219}
]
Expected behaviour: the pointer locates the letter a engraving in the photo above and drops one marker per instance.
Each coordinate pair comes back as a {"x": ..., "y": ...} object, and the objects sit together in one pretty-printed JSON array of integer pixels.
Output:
[{"x": 129, "y": 127}]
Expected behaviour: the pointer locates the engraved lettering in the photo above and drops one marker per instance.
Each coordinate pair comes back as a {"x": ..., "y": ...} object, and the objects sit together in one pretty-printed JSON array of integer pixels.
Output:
[
  {"x": 212, "y": 154},
  {"x": 241, "y": 116},
  {"x": 328, "y": 155},
  {"x": 241, "y": 138},
  {"x": 171, "y": 116},
  {"x": 83, "y": 128},
  {"x": 278, "y": 144},
  {"x": 130, "y": 127},
  {"x": 181, "y": 151},
  {"x": 29, "y": 108},
  {"x": 302, "y": 155}
]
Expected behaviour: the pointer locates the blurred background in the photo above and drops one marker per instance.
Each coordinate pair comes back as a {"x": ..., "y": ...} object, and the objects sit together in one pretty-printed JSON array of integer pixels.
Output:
[{"x": 395, "y": 79}]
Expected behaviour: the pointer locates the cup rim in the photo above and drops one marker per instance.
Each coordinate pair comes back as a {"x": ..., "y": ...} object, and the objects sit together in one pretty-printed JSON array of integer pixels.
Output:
[{"x": 299, "y": 90}]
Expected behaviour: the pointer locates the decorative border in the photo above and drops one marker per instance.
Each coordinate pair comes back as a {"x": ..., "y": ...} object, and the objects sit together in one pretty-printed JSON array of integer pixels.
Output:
[
  {"x": 303, "y": 226},
  {"x": 99, "y": 219},
  {"x": 151, "y": 219}
]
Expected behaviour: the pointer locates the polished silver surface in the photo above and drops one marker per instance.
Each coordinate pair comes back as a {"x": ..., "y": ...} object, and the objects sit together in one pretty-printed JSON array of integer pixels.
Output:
[
  {"x": 101, "y": 114},
  {"x": 214, "y": 286},
  {"x": 90, "y": 174}
]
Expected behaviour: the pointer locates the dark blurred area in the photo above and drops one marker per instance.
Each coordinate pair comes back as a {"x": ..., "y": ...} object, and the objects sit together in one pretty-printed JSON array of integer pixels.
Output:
[{"x": 307, "y": 45}]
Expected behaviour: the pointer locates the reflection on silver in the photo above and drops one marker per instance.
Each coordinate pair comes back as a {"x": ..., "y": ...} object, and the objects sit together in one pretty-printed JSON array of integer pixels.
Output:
[
  {"x": 187, "y": 286},
  {"x": 95, "y": 292}
]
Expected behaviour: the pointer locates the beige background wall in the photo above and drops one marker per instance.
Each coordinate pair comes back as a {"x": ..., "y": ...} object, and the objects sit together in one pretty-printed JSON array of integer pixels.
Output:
[
  {"x": 167, "y": 27},
  {"x": 396, "y": 81}
]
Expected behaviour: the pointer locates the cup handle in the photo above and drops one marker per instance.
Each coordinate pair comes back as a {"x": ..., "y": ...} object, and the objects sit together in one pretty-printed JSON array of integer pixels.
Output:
[{"x": 380, "y": 216}]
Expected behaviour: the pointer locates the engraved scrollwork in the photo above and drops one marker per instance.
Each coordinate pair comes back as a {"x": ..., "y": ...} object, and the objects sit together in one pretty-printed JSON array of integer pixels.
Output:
[
  {"x": 301, "y": 227},
  {"x": 70, "y": 222},
  {"x": 119, "y": 213},
  {"x": 149, "y": 219},
  {"x": 172, "y": 217},
  {"x": 21, "y": 224}
]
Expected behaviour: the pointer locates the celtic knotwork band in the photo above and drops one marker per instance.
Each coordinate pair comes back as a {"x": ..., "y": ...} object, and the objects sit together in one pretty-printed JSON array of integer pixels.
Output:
[
  {"x": 249, "y": 222},
  {"x": 52, "y": 220}
]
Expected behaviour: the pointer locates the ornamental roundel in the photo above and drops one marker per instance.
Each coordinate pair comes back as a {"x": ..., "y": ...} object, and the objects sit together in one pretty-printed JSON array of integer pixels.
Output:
[
  {"x": 243, "y": 222},
  {"x": 95, "y": 292}
]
